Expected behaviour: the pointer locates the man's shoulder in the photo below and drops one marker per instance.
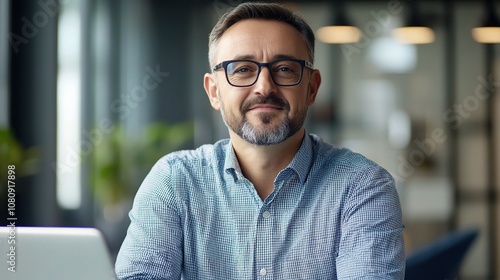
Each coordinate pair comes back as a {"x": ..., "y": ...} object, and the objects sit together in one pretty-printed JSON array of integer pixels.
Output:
[
  {"x": 205, "y": 154},
  {"x": 343, "y": 157},
  {"x": 196, "y": 164},
  {"x": 179, "y": 172},
  {"x": 348, "y": 166}
]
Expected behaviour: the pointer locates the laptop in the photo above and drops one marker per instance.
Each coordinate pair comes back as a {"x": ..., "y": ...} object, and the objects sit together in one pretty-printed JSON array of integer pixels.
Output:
[{"x": 55, "y": 253}]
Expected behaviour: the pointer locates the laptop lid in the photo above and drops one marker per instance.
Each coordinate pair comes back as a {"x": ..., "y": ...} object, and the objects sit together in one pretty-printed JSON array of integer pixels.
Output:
[{"x": 41, "y": 253}]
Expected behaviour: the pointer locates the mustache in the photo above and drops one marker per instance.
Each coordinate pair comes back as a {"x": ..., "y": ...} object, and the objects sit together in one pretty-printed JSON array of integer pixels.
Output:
[{"x": 264, "y": 100}]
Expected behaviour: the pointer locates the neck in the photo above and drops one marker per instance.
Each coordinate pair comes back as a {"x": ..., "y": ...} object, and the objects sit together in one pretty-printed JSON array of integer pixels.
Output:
[{"x": 261, "y": 164}]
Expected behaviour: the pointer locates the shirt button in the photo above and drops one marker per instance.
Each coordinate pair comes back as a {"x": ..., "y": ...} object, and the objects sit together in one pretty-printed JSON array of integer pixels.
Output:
[
  {"x": 266, "y": 214},
  {"x": 263, "y": 272}
]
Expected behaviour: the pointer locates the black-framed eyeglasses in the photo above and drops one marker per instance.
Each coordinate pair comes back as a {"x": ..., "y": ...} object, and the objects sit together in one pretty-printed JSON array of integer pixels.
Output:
[{"x": 244, "y": 73}]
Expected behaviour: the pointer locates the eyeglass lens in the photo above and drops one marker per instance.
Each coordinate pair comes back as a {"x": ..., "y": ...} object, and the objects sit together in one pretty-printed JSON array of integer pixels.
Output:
[{"x": 245, "y": 73}]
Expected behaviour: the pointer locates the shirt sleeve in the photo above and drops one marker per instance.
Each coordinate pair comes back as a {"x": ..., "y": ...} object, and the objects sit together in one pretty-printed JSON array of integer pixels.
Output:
[
  {"x": 152, "y": 248},
  {"x": 371, "y": 244}
]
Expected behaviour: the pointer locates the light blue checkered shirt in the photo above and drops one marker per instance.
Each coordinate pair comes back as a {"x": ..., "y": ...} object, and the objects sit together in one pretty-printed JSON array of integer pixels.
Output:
[{"x": 333, "y": 214}]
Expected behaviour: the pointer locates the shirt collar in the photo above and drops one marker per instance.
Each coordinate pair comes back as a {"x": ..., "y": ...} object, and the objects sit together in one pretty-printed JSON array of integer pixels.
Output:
[
  {"x": 231, "y": 164},
  {"x": 301, "y": 162},
  {"x": 303, "y": 159}
]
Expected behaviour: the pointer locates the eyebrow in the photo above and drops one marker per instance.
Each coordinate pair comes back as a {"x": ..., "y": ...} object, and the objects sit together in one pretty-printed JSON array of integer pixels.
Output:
[{"x": 276, "y": 57}]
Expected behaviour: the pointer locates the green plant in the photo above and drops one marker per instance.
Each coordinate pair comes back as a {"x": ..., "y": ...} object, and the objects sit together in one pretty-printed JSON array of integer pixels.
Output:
[
  {"x": 12, "y": 153},
  {"x": 120, "y": 162}
]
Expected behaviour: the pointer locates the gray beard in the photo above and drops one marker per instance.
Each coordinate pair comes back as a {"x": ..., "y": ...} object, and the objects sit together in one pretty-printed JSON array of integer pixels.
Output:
[
  {"x": 265, "y": 137},
  {"x": 277, "y": 135}
]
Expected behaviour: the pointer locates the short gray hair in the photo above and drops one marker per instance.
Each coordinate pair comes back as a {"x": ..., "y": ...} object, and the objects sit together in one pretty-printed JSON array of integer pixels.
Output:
[{"x": 267, "y": 11}]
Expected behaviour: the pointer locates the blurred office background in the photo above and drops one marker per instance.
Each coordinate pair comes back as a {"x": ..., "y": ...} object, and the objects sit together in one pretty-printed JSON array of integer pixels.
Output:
[{"x": 93, "y": 92}]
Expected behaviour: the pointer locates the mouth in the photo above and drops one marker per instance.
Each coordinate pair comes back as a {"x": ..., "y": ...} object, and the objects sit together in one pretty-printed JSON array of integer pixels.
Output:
[
  {"x": 264, "y": 107},
  {"x": 269, "y": 104}
]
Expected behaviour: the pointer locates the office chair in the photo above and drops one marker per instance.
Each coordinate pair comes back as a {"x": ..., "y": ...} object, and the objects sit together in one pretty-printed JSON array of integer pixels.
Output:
[{"x": 441, "y": 259}]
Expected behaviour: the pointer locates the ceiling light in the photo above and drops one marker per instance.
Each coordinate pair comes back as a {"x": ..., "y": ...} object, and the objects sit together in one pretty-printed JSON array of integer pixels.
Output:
[
  {"x": 489, "y": 31},
  {"x": 341, "y": 31},
  {"x": 414, "y": 31}
]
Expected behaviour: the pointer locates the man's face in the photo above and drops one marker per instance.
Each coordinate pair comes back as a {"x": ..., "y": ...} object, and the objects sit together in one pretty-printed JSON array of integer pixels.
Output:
[{"x": 263, "y": 113}]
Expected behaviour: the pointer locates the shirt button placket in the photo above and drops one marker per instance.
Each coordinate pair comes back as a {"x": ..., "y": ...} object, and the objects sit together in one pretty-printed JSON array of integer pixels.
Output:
[{"x": 264, "y": 244}]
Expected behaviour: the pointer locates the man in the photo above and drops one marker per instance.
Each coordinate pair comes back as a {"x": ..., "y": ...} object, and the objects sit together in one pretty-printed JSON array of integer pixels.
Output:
[{"x": 271, "y": 202}]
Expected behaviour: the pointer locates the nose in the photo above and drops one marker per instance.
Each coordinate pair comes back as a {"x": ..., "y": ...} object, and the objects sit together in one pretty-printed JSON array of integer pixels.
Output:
[{"x": 265, "y": 84}]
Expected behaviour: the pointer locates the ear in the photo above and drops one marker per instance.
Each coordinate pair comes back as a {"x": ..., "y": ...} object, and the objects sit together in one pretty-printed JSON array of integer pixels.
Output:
[
  {"x": 211, "y": 89},
  {"x": 314, "y": 83}
]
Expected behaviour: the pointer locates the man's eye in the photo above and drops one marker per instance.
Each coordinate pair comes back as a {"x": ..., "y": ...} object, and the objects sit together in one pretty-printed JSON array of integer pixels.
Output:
[
  {"x": 242, "y": 70},
  {"x": 284, "y": 69}
]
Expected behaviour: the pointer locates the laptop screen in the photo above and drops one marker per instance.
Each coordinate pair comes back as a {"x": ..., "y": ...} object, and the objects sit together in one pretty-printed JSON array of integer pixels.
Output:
[{"x": 54, "y": 253}]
